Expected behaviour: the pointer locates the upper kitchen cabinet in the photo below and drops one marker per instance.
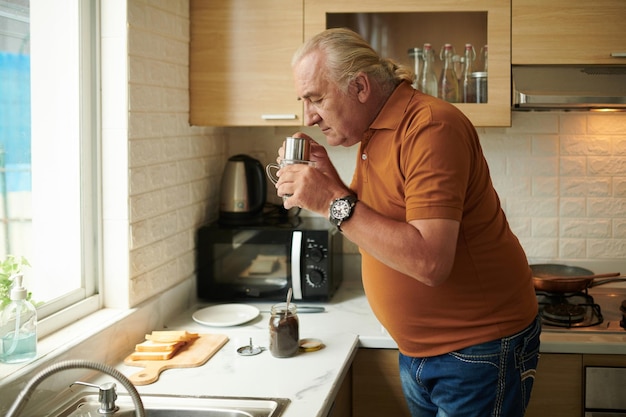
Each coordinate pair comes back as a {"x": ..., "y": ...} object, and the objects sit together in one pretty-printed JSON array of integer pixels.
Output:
[
  {"x": 239, "y": 62},
  {"x": 568, "y": 32},
  {"x": 394, "y": 26}
]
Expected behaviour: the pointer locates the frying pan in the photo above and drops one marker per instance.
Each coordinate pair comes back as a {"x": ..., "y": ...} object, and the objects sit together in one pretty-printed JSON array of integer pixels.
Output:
[{"x": 564, "y": 278}]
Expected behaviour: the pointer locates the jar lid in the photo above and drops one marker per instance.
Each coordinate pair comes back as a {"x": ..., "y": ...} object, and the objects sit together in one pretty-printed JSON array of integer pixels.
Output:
[
  {"x": 479, "y": 74},
  {"x": 310, "y": 345}
]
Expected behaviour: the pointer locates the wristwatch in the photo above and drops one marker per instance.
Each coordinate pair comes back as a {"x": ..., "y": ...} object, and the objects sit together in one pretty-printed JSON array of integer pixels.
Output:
[{"x": 341, "y": 209}]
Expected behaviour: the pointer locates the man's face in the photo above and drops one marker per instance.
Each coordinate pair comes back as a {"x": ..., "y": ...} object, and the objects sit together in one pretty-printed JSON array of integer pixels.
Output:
[{"x": 339, "y": 115}]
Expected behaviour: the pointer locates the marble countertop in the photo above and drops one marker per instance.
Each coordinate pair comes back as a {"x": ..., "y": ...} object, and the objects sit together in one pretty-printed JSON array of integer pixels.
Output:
[{"x": 310, "y": 380}]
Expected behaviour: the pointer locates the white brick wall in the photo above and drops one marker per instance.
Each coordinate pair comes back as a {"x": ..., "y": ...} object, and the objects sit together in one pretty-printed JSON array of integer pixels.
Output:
[{"x": 174, "y": 169}]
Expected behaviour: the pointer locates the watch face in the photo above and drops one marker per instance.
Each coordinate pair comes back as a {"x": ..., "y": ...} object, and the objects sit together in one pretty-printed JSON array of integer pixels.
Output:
[{"x": 341, "y": 209}]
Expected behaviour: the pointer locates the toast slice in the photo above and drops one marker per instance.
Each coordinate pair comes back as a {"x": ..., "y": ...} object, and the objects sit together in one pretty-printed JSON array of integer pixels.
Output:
[
  {"x": 162, "y": 345},
  {"x": 152, "y": 356},
  {"x": 151, "y": 346},
  {"x": 167, "y": 336}
]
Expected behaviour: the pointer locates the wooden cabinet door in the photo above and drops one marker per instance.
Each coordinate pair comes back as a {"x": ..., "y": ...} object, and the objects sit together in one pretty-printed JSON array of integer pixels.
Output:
[
  {"x": 240, "y": 62},
  {"x": 342, "y": 406},
  {"x": 568, "y": 32},
  {"x": 497, "y": 112},
  {"x": 376, "y": 387},
  {"x": 558, "y": 387}
]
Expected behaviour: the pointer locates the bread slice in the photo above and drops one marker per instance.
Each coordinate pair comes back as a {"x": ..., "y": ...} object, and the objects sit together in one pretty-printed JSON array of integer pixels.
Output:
[
  {"x": 151, "y": 346},
  {"x": 152, "y": 356},
  {"x": 167, "y": 336},
  {"x": 162, "y": 345}
]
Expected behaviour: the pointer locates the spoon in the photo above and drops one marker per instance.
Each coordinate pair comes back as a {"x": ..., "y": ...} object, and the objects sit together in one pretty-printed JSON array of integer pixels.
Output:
[{"x": 289, "y": 294}]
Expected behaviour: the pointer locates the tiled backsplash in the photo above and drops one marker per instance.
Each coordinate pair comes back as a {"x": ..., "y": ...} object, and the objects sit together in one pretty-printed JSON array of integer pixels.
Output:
[{"x": 562, "y": 180}]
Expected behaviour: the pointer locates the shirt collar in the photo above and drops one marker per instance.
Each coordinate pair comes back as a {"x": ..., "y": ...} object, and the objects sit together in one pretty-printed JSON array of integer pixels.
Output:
[{"x": 394, "y": 108}]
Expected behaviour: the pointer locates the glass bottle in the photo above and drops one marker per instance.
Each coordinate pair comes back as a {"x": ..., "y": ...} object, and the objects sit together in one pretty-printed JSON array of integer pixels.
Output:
[
  {"x": 18, "y": 326},
  {"x": 467, "y": 82},
  {"x": 484, "y": 55},
  {"x": 284, "y": 330},
  {"x": 416, "y": 56},
  {"x": 448, "y": 81},
  {"x": 428, "y": 80}
]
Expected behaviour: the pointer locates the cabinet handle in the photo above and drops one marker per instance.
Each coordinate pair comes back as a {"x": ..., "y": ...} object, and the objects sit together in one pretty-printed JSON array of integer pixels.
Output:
[
  {"x": 279, "y": 116},
  {"x": 618, "y": 54}
]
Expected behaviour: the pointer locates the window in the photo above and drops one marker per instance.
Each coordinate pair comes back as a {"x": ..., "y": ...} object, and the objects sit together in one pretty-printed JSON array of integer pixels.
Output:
[{"x": 49, "y": 133}]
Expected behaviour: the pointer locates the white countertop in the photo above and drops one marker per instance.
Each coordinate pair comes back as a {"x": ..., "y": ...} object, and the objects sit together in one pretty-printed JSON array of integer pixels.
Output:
[{"x": 311, "y": 380}]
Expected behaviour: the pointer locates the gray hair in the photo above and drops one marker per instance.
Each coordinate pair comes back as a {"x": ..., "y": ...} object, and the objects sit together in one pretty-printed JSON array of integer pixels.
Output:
[{"x": 347, "y": 54}]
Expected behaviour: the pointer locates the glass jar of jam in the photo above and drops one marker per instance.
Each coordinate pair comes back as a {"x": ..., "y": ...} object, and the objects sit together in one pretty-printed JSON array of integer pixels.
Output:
[{"x": 284, "y": 330}]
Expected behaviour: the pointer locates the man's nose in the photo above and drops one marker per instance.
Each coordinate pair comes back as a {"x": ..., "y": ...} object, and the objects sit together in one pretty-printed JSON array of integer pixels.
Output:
[{"x": 310, "y": 115}]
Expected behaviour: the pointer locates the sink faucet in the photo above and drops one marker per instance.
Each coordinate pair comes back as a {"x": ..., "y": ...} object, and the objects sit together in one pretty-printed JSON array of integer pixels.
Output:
[
  {"x": 24, "y": 396},
  {"x": 106, "y": 395}
]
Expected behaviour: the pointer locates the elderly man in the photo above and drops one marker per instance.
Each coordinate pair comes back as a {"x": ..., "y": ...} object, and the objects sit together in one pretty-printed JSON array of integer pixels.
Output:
[{"x": 442, "y": 270}]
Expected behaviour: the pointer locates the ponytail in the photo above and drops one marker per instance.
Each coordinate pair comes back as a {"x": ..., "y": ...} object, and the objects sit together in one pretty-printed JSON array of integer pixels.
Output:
[{"x": 347, "y": 54}]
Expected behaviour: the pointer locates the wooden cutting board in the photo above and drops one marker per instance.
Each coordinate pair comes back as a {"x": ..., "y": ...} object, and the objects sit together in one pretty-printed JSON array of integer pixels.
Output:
[{"x": 194, "y": 354}]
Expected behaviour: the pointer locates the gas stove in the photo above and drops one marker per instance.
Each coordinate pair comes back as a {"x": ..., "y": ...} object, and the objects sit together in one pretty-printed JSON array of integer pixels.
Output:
[{"x": 594, "y": 310}]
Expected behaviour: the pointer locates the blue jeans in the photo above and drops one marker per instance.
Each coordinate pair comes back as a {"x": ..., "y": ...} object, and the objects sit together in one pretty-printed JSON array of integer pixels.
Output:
[{"x": 491, "y": 379}]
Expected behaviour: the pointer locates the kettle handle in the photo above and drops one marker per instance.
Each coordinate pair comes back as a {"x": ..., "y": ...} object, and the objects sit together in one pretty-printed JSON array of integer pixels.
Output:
[{"x": 256, "y": 175}]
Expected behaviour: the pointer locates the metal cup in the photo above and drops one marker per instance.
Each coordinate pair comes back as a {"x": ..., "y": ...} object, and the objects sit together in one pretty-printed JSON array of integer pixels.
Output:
[{"x": 297, "y": 149}]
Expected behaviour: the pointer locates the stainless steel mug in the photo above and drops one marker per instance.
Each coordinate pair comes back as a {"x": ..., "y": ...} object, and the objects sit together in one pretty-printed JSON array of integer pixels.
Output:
[{"x": 297, "y": 151}]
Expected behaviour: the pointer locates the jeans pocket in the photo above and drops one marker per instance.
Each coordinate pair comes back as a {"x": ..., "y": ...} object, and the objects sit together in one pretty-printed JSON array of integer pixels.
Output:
[{"x": 527, "y": 358}]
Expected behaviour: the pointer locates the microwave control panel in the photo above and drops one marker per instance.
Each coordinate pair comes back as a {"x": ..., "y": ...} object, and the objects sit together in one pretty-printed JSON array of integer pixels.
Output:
[{"x": 321, "y": 267}]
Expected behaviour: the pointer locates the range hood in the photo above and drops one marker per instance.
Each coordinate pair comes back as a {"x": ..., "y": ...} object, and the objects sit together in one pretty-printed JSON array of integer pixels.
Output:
[{"x": 569, "y": 87}]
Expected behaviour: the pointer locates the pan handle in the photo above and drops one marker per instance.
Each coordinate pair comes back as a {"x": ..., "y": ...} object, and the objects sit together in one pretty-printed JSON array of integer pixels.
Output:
[
  {"x": 582, "y": 277},
  {"x": 606, "y": 281}
]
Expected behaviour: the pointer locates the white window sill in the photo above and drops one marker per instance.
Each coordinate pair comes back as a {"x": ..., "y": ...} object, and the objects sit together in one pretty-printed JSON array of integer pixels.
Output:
[
  {"x": 51, "y": 347},
  {"x": 106, "y": 336}
]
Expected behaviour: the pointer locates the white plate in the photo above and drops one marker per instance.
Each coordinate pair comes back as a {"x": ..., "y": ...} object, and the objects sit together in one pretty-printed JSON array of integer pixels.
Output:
[{"x": 224, "y": 315}]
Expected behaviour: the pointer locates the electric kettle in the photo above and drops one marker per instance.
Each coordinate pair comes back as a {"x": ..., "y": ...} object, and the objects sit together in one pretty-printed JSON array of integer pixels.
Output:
[{"x": 243, "y": 191}]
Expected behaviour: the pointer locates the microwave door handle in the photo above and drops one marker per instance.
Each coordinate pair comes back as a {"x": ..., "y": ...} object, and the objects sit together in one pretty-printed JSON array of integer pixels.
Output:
[{"x": 296, "y": 260}]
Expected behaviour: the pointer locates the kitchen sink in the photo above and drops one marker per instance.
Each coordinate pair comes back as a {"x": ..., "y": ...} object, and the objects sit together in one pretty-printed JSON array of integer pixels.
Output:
[{"x": 176, "y": 406}]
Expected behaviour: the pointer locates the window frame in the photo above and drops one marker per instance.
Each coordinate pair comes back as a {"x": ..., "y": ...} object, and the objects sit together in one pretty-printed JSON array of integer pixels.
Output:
[{"x": 78, "y": 303}]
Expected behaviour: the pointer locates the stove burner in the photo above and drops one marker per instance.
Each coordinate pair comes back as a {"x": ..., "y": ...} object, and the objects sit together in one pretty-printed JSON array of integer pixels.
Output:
[
  {"x": 565, "y": 313},
  {"x": 569, "y": 310}
]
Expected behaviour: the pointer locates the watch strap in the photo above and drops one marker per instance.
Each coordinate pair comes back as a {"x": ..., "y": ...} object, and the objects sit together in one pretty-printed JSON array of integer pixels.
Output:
[{"x": 351, "y": 200}]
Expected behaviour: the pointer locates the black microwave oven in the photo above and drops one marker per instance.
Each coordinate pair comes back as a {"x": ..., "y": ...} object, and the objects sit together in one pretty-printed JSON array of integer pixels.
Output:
[{"x": 264, "y": 261}]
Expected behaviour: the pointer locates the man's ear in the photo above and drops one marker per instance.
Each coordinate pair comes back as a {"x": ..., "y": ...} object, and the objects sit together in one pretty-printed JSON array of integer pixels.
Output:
[{"x": 362, "y": 87}]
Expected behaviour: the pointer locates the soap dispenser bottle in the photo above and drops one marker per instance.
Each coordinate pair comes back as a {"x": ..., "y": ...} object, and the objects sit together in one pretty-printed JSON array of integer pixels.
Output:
[{"x": 18, "y": 326}]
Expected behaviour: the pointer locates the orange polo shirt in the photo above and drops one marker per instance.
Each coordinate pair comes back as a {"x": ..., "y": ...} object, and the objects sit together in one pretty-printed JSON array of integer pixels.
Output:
[{"x": 422, "y": 159}]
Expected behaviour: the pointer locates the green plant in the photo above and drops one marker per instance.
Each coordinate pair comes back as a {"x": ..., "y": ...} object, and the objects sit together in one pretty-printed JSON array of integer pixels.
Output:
[{"x": 8, "y": 268}]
